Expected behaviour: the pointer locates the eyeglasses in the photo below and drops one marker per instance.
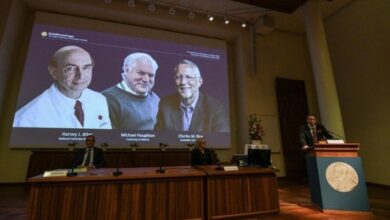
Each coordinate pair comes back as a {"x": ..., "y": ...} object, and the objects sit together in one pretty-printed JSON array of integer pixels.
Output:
[
  {"x": 72, "y": 69},
  {"x": 188, "y": 78}
]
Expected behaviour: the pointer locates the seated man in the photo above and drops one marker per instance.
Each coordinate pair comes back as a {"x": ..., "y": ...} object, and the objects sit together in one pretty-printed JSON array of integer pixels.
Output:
[
  {"x": 201, "y": 155},
  {"x": 90, "y": 156}
]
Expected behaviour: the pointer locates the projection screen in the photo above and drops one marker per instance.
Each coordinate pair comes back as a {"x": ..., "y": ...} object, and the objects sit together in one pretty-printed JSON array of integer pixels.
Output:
[{"x": 45, "y": 115}]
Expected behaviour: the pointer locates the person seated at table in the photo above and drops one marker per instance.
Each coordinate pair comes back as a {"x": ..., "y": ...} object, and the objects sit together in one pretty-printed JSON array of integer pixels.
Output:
[
  {"x": 201, "y": 155},
  {"x": 90, "y": 156}
]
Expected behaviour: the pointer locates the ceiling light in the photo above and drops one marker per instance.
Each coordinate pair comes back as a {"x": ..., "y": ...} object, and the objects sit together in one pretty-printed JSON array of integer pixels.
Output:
[
  {"x": 243, "y": 25},
  {"x": 131, "y": 3},
  {"x": 172, "y": 11},
  {"x": 226, "y": 20},
  {"x": 210, "y": 17},
  {"x": 152, "y": 7},
  {"x": 191, "y": 15},
  {"x": 107, "y": 1}
]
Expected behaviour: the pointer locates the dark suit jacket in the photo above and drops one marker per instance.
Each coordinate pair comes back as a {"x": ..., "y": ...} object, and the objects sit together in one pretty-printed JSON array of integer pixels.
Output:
[
  {"x": 199, "y": 158},
  {"x": 209, "y": 115},
  {"x": 98, "y": 158},
  {"x": 307, "y": 139}
]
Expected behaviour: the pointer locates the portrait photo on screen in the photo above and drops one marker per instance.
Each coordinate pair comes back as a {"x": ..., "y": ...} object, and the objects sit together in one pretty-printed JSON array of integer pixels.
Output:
[{"x": 121, "y": 88}]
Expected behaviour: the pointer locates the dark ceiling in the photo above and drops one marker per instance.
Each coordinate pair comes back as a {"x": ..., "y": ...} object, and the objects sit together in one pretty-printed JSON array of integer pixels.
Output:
[{"x": 286, "y": 6}]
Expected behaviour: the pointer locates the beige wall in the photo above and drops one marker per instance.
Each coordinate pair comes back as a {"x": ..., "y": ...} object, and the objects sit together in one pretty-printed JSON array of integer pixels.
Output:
[
  {"x": 280, "y": 54},
  {"x": 13, "y": 164},
  {"x": 359, "y": 44}
]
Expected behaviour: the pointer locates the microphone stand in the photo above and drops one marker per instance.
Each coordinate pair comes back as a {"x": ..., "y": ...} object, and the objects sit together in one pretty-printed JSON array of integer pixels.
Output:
[
  {"x": 133, "y": 146},
  {"x": 162, "y": 147},
  {"x": 104, "y": 146},
  {"x": 71, "y": 146},
  {"x": 219, "y": 167},
  {"x": 214, "y": 157},
  {"x": 71, "y": 173},
  {"x": 190, "y": 146},
  {"x": 117, "y": 172}
]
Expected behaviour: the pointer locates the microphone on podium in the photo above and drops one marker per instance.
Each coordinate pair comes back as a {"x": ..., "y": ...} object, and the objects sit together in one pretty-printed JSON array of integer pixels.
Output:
[{"x": 163, "y": 146}]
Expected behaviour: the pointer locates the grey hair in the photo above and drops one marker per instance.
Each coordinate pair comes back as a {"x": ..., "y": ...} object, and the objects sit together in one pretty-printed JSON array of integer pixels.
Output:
[
  {"x": 192, "y": 66},
  {"x": 131, "y": 59}
]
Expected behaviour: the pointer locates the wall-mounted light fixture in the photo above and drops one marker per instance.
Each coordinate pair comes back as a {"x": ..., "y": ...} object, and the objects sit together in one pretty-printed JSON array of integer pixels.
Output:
[
  {"x": 226, "y": 20},
  {"x": 210, "y": 17},
  {"x": 173, "y": 7},
  {"x": 131, "y": 3},
  {"x": 172, "y": 11},
  {"x": 191, "y": 14},
  {"x": 152, "y": 7}
]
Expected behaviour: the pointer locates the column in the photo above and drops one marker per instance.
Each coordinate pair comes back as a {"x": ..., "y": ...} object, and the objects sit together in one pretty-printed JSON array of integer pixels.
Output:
[{"x": 322, "y": 69}]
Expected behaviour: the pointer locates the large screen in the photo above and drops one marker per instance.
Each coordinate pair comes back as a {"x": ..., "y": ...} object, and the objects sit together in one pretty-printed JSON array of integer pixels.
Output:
[{"x": 121, "y": 85}]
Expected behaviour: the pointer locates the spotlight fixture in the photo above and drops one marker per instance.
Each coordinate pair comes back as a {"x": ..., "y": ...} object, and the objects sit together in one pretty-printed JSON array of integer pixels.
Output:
[
  {"x": 131, "y": 3},
  {"x": 210, "y": 17},
  {"x": 191, "y": 15},
  {"x": 172, "y": 11},
  {"x": 243, "y": 25},
  {"x": 152, "y": 7},
  {"x": 107, "y": 1},
  {"x": 226, "y": 20}
]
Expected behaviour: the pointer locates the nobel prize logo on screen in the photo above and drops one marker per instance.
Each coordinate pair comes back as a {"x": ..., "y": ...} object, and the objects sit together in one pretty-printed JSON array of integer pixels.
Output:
[{"x": 62, "y": 36}]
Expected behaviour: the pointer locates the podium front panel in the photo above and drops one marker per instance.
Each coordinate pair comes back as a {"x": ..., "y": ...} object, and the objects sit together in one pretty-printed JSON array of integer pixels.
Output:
[{"x": 337, "y": 183}]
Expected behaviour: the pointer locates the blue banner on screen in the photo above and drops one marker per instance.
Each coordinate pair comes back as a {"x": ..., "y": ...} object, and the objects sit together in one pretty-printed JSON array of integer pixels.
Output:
[{"x": 123, "y": 89}]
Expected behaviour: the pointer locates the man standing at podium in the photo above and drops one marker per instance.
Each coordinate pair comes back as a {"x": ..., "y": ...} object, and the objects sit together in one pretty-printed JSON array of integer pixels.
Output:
[{"x": 312, "y": 132}]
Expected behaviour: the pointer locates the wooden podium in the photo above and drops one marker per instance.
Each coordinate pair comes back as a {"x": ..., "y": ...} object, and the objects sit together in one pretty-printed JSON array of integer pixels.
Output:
[{"x": 336, "y": 178}]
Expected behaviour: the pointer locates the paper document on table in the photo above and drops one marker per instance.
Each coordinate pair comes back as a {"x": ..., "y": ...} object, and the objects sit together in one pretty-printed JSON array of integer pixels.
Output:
[{"x": 52, "y": 173}]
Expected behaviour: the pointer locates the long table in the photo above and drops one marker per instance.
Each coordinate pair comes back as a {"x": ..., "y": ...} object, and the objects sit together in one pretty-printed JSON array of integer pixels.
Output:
[
  {"x": 139, "y": 193},
  {"x": 244, "y": 193},
  {"x": 182, "y": 192}
]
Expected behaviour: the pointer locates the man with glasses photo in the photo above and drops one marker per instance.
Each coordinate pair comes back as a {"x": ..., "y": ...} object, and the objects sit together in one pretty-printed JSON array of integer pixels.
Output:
[
  {"x": 190, "y": 109},
  {"x": 67, "y": 103}
]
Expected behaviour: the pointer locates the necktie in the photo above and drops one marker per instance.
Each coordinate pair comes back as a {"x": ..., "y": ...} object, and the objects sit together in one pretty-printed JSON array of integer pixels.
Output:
[
  {"x": 314, "y": 133},
  {"x": 187, "y": 117},
  {"x": 88, "y": 159},
  {"x": 78, "y": 112}
]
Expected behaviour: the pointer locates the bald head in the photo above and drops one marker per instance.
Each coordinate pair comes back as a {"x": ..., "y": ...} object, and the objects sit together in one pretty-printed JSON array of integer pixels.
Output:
[{"x": 71, "y": 69}]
